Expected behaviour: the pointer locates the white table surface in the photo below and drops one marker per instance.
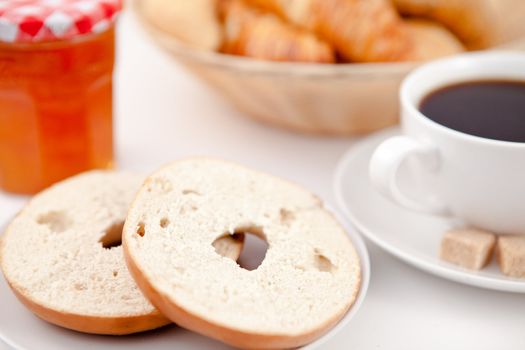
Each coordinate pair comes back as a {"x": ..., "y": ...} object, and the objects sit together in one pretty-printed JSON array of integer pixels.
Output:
[{"x": 164, "y": 113}]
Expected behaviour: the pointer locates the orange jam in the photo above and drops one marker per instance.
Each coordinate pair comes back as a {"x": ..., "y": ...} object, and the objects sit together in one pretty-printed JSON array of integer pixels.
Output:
[{"x": 55, "y": 110}]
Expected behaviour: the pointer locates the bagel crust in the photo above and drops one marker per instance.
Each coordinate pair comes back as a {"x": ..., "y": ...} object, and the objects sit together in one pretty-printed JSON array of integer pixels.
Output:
[
  {"x": 95, "y": 324},
  {"x": 308, "y": 280}
]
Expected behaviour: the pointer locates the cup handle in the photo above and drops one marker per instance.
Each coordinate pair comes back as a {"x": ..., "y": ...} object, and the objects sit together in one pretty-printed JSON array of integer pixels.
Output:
[{"x": 386, "y": 162}]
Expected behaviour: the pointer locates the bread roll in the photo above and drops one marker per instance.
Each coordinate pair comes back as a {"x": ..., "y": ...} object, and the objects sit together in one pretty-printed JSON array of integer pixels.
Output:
[
  {"x": 471, "y": 20},
  {"x": 431, "y": 40}
]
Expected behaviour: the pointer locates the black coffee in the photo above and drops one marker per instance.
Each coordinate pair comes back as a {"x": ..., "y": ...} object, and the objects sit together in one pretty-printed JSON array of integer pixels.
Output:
[{"x": 493, "y": 109}]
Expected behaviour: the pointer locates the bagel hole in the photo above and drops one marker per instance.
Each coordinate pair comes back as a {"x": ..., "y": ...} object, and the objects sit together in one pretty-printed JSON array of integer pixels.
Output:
[
  {"x": 57, "y": 221},
  {"x": 112, "y": 236},
  {"x": 254, "y": 248}
]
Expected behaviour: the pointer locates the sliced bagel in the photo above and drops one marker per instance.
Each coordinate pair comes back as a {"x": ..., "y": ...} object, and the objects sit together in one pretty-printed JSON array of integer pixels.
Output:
[
  {"x": 62, "y": 257},
  {"x": 307, "y": 281}
]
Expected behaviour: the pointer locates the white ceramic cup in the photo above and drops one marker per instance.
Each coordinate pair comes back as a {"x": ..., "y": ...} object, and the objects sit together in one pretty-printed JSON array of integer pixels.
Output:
[{"x": 477, "y": 180}]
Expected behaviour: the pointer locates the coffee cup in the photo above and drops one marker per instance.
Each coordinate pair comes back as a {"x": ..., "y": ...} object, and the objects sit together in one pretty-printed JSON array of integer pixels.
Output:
[{"x": 477, "y": 180}]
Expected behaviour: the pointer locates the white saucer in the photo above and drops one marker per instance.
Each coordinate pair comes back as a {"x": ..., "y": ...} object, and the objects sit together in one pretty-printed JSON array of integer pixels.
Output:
[
  {"x": 410, "y": 236},
  {"x": 20, "y": 329}
]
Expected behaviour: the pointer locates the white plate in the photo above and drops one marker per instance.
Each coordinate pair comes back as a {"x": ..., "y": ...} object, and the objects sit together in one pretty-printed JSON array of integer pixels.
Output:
[
  {"x": 410, "y": 236},
  {"x": 20, "y": 329}
]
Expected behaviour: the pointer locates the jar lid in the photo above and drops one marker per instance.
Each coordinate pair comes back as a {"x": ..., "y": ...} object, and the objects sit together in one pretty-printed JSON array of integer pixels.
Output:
[{"x": 28, "y": 21}]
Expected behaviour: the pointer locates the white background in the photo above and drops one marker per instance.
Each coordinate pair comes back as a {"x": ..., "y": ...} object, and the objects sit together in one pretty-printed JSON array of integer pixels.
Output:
[{"x": 164, "y": 113}]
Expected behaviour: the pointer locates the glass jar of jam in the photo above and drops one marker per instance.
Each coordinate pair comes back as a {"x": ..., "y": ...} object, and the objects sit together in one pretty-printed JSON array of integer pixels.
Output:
[{"x": 56, "y": 67}]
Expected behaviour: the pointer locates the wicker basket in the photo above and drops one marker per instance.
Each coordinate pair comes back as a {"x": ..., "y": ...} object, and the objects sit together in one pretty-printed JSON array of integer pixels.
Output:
[{"x": 339, "y": 99}]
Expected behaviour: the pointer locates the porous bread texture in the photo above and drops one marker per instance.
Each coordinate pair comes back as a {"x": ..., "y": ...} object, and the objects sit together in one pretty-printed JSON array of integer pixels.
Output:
[
  {"x": 473, "y": 21},
  {"x": 53, "y": 257},
  {"x": 308, "y": 280}
]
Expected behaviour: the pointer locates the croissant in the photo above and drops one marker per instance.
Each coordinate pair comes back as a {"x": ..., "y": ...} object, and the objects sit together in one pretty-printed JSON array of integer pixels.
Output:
[
  {"x": 470, "y": 20},
  {"x": 252, "y": 33},
  {"x": 360, "y": 30},
  {"x": 431, "y": 40}
]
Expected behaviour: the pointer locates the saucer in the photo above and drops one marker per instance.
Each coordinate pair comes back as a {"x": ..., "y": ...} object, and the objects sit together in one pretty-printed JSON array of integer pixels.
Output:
[{"x": 410, "y": 236}]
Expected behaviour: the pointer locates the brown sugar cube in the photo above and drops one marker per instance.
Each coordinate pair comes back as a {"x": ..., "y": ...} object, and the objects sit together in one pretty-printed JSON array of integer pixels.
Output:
[
  {"x": 511, "y": 255},
  {"x": 468, "y": 248}
]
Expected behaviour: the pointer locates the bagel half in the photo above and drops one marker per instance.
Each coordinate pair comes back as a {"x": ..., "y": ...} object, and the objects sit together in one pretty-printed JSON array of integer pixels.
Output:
[
  {"x": 62, "y": 257},
  {"x": 308, "y": 280}
]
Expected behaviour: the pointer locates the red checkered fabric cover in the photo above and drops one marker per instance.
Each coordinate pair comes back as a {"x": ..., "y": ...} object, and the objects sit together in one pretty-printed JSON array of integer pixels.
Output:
[{"x": 49, "y": 20}]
